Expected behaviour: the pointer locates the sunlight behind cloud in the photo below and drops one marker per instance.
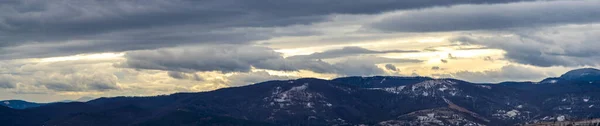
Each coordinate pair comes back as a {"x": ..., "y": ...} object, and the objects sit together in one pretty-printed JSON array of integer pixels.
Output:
[{"x": 98, "y": 56}]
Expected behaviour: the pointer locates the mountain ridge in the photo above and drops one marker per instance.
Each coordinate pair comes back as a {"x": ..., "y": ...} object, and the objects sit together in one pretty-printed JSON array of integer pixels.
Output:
[
  {"x": 583, "y": 74},
  {"x": 378, "y": 100}
]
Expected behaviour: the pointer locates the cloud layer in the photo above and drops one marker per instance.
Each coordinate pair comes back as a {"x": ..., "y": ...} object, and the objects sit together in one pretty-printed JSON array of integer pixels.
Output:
[
  {"x": 90, "y": 26},
  {"x": 346, "y": 51},
  {"x": 490, "y": 17},
  {"x": 233, "y": 58},
  {"x": 573, "y": 45}
]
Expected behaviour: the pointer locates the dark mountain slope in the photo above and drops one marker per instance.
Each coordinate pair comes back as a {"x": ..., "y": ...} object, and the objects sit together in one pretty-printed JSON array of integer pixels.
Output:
[
  {"x": 585, "y": 74},
  {"x": 295, "y": 101},
  {"x": 14, "y": 117},
  {"x": 186, "y": 118},
  {"x": 435, "y": 117}
]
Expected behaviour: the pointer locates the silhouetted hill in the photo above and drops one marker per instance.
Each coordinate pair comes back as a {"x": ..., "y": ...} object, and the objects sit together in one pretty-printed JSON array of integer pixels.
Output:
[
  {"x": 19, "y": 104},
  {"x": 585, "y": 74}
]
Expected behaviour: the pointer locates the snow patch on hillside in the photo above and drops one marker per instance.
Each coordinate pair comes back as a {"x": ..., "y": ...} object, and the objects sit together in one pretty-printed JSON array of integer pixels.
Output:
[
  {"x": 394, "y": 90},
  {"x": 432, "y": 83},
  {"x": 503, "y": 114},
  {"x": 297, "y": 95},
  {"x": 560, "y": 118},
  {"x": 484, "y": 86},
  {"x": 426, "y": 88}
]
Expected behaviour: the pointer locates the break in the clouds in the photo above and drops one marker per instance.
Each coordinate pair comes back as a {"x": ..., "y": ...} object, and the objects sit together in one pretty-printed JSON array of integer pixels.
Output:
[{"x": 491, "y": 17}]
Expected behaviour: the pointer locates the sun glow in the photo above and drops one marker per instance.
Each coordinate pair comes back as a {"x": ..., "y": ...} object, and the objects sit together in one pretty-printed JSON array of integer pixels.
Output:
[{"x": 99, "y": 56}]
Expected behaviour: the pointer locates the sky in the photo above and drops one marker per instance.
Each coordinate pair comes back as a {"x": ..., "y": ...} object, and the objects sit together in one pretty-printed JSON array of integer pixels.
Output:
[{"x": 67, "y": 49}]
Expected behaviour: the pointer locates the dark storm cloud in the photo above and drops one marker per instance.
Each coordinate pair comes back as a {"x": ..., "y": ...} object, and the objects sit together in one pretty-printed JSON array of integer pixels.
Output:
[
  {"x": 115, "y": 25},
  {"x": 346, "y": 51},
  {"x": 235, "y": 58},
  {"x": 488, "y": 17}
]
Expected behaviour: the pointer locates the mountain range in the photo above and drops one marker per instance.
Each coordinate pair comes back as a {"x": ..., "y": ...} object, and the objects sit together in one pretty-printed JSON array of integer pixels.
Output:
[
  {"x": 377, "y": 101},
  {"x": 20, "y": 104}
]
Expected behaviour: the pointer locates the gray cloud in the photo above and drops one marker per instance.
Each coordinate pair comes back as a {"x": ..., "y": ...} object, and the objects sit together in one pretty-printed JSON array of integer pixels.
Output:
[
  {"x": 7, "y": 82},
  {"x": 391, "y": 67},
  {"x": 61, "y": 76},
  {"x": 450, "y": 56},
  {"x": 181, "y": 75},
  {"x": 90, "y": 26},
  {"x": 488, "y": 58},
  {"x": 577, "y": 46},
  {"x": 80, "y": 82},
  {"x": 414, "y": 73},
  {"x": 346, "y": 51},
  {"x": 228, "y": 58},
  {"x": 496, "y": 16},
  {"x": 366, "y": 65},
  {"x": 506, "y": 73},
  {"x": 351, "y": 68},
  {"x": 318, "y": 66},
  {"x": 444, "y": 60},
  {"x": 526, "y": 53},
  {"x": 379, "y": 60},
  {"x": 233, "y": 58},
  {"x": 240, "y": 79}
]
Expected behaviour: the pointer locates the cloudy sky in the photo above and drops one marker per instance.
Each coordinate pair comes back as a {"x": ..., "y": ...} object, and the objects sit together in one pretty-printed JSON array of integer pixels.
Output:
[{"x": 66, "y": 49}]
